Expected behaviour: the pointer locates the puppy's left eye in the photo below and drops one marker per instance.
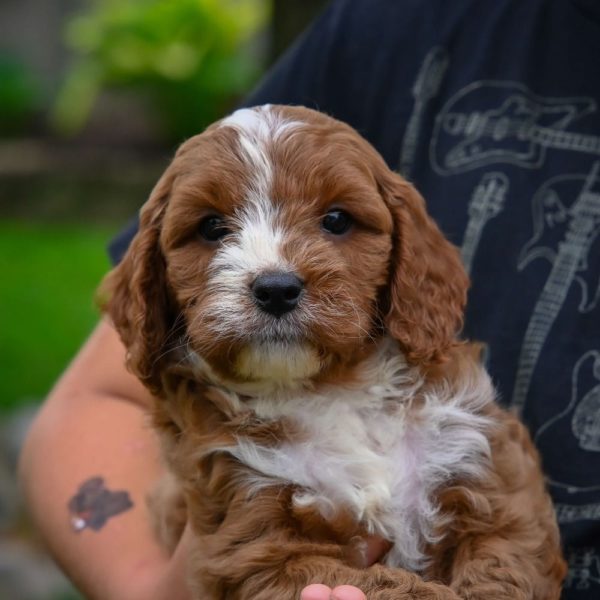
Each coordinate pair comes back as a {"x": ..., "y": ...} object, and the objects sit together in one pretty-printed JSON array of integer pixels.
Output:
[
  {"x": 337, "y": 222},
  {"x": 213, "y": 228}
]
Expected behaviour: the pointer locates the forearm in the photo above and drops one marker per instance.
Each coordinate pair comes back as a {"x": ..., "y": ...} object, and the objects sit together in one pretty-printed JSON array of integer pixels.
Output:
[{"x": 87, "y": 429}]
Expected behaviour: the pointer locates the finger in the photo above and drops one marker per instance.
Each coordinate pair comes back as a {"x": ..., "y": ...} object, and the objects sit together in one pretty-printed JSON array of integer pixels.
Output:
[
  {"x": 315, "y": 591},
  {"x": 347, "y": 592}
]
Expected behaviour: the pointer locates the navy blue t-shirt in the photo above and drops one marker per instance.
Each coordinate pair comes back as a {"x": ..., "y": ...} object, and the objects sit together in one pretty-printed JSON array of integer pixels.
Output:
[{"x": 491, "y": 107}]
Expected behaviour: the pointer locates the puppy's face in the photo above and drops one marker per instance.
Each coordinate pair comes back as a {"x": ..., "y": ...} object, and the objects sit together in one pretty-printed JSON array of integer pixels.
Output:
[
  {"x": 269, "y": 251},
  {"x": 277, "y": 243}
]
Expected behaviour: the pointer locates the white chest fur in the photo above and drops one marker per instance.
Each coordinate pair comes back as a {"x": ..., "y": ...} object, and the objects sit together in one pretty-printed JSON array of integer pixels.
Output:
[{"x": 376, "y": 452}]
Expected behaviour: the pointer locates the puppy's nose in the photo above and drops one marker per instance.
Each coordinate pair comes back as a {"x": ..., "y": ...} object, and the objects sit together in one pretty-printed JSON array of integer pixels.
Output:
[{"x": 277, "y": 293}]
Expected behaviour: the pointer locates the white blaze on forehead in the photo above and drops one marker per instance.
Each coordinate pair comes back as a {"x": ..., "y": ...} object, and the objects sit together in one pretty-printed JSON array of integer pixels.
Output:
[
  {"x": 259, "y": 234},
  {"x": 258, "y": 128},
  {"x": 261, "y": 124}
]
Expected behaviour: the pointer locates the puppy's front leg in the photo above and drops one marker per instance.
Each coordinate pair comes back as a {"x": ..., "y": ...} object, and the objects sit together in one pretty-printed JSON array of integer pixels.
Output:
[
  {"x": 260, "y": 552},
  {"x": 504, "y": 541}
]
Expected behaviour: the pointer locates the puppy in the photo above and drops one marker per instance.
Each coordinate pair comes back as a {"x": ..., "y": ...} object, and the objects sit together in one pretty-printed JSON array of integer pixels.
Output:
[{"x": 295, "y": 312}]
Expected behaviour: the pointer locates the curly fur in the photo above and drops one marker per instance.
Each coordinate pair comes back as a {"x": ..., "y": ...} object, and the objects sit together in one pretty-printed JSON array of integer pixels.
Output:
[{"x": 290, "y": 439}]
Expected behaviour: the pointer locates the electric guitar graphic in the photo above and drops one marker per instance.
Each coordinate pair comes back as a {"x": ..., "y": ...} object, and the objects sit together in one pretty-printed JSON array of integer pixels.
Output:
[
  {"x": 580, "y": 419},
  {"x": 569, "y": 258},
  {"x": 486, "y": 202},
  {"x": 570, "y": 513},
  {"x": 584, "y": 569},
  {"x": 426, "y": 87},
  {"x": 510, "y": 125}
]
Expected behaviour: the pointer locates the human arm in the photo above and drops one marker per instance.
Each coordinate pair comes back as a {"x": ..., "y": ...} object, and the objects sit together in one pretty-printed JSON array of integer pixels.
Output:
[{"x": 94, "y": 424}]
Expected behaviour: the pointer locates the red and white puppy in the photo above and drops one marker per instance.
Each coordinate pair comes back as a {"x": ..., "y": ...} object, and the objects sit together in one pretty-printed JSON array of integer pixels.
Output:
[{"x": 295, "y": 312}]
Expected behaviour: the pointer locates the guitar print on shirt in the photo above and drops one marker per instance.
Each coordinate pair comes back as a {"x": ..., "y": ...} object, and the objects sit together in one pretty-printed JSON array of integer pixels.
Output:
[
  {"x": 494, "y": 122},
  {"x": 425, "y": 88},
  {"x": 486, "y": 203},
  {"x": 581, "y": 419},
  {"x": 584, "y": 569},
  {"x": 564, "y": 236}
]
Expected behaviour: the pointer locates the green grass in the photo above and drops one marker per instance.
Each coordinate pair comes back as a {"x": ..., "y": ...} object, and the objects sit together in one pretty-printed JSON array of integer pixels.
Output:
[{"x": 48, "y": 275}]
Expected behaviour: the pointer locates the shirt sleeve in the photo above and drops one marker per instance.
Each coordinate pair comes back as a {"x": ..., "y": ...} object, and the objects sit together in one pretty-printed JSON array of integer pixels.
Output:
[{"x": 119, "y": 244}]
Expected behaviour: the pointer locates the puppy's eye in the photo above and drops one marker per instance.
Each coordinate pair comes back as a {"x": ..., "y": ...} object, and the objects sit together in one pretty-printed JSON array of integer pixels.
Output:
[
  {"x": 213, "y": 228},
  {"x": 337, "y": 222}
]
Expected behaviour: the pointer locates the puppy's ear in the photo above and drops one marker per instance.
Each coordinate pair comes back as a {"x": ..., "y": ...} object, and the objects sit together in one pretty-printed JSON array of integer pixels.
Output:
[
  {"x": 135, "y": 296},
  {"x": 428, "y": 284}
]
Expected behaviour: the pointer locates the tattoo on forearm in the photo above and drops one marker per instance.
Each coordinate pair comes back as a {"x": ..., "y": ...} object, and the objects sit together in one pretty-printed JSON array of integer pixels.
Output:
[{"x": 94, "y": 504}]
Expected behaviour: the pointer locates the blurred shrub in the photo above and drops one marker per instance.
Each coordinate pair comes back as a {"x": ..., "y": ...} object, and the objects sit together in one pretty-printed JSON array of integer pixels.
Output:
[
  {"x": 193, "y": 58},
  {"x": 49, "y": 274},
  {"x": 19, "y": 96}
]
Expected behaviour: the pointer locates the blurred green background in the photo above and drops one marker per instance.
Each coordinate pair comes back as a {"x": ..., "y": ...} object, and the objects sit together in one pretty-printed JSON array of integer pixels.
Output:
[{"x": 95, "y": 95}]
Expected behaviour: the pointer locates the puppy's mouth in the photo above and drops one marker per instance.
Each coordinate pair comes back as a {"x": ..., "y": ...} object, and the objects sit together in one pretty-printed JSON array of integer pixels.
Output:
[
  {"x": 292, "y": 328},
  {"x": 279, "y": 337}
]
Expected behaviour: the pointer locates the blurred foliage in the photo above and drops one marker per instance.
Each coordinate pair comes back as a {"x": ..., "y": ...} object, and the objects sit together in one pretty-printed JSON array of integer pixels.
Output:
[
  {"x": 19, "y": 96},
  {"x": 192, "y": 57},
  {"x": 49, "y": 274}
]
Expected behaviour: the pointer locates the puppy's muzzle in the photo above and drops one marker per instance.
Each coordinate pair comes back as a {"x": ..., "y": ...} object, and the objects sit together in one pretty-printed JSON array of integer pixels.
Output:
[{"x": 277, "y": 293}]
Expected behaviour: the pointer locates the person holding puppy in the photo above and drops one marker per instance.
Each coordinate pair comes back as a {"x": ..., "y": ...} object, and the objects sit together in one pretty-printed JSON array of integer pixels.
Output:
[{"x": 489, "y": 108}]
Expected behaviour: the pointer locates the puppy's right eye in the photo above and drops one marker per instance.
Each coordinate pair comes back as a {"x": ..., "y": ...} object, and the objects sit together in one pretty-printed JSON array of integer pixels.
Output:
[
  {"x": 213, "y": 228},
  {"x": 337, "y": 222}
]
